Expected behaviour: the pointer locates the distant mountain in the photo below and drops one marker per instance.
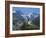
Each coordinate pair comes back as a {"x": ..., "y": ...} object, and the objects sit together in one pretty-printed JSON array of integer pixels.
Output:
[{"x": 30, "y": 16}]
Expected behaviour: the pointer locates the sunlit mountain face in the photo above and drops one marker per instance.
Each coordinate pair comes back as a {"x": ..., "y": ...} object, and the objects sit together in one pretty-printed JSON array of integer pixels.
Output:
[{"x": 27, "y": 16}]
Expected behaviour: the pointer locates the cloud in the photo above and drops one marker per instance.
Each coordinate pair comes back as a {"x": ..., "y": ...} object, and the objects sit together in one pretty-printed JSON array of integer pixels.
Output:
[{"x": 14, "y": 11}]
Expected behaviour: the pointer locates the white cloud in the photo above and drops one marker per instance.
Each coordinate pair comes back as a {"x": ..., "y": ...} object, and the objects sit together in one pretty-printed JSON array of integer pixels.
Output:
[{"x": 14, "y": 11}]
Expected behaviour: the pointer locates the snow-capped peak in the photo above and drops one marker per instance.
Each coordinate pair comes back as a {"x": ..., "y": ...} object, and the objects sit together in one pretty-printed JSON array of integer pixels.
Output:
[{"x": 30, "y": 14}]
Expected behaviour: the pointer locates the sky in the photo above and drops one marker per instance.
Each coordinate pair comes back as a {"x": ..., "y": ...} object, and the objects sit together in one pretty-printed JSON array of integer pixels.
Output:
[{"x": 26, "y": 10}]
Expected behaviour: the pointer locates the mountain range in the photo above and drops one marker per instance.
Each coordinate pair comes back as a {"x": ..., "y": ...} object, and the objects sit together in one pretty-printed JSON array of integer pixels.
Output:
[{"x": 29, "y": 16}]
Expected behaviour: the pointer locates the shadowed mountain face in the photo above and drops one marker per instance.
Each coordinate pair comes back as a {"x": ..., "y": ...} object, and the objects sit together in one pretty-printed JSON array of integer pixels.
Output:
[{"x": 36, "y": 21}]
